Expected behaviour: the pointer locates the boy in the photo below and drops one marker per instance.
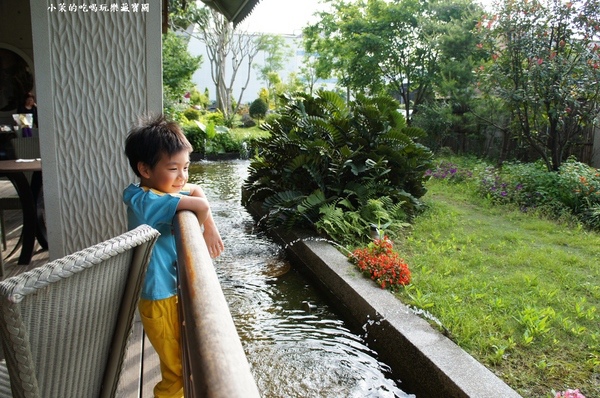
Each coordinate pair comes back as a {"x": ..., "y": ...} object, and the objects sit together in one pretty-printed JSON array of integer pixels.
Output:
[{"x": 158, "y": 153}]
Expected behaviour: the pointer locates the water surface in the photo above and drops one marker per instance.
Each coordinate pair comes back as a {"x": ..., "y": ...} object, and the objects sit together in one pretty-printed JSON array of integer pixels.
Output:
[{"x": 296, "y": 344}]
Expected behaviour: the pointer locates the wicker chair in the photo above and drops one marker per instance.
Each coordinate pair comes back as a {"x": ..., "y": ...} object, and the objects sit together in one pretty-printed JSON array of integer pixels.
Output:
[{"x": 64, "y": 325}]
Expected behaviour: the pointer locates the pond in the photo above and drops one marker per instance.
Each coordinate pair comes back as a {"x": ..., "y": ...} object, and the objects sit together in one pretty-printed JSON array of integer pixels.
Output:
[{"x": 295, "y": 342}]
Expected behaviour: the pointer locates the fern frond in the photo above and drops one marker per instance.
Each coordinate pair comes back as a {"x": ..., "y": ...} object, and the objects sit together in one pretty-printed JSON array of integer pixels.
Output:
[
  {"x": 295, "y": 163},
  {"x": 333, "y": 102},
  {"x": 286, "y": 199},
  {"x": 313, "y": 201},
  {"x": 414, "y": 132}
]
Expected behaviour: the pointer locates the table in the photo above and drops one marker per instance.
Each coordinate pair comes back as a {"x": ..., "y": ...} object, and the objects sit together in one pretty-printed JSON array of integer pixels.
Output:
[{"x": 33, "y": 220}]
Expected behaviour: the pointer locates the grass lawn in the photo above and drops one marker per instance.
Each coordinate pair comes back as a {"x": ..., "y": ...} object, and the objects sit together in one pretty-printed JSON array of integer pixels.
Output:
[
  {"x": 243, "y": 134},
  {"x": 518, "y": 292}
]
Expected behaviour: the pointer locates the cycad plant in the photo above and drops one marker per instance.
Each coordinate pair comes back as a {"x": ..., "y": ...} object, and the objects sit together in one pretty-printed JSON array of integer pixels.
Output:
[{"x": 327, "y": 160}]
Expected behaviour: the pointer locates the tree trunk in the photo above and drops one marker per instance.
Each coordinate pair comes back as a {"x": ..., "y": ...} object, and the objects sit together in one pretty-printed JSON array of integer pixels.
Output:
[{"x": 554, "y": 146}]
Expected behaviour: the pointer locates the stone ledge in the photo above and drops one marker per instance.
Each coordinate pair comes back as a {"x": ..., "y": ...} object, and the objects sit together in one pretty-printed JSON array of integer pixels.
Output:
[{"x": 428, "y": 363}]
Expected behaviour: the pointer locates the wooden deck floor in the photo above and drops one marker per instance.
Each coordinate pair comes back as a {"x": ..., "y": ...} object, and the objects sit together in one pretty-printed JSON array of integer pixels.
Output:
[{"x": 141, "y": 369}]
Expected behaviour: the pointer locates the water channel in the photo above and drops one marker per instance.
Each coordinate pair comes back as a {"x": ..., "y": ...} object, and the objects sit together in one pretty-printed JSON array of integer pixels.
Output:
[{"x": 296, "y": 344}]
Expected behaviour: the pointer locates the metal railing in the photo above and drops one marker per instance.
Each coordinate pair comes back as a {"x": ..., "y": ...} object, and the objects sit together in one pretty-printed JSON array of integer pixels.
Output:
[{"x": 214, "y": 362}]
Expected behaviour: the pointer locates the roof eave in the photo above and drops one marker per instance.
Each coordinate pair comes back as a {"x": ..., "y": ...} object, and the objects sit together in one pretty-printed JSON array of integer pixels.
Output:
[{"x": 234, "y": 10}]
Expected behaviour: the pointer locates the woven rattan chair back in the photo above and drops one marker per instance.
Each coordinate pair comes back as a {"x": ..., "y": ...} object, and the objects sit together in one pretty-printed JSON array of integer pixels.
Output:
[{"x": 64, "y": 325}]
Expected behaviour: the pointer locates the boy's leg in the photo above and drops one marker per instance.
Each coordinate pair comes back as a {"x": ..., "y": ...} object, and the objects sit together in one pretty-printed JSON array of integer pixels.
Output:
[{"x": 161, "y": 324}]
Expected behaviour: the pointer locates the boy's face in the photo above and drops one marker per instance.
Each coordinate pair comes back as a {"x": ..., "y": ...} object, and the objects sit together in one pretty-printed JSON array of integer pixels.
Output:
[{"x": 169, "y": 175}]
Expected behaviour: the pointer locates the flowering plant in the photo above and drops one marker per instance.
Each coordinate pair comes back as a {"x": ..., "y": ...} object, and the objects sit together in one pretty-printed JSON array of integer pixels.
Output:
[
  {"x": 579, "y": 185},
  {"x": 449, "y": 171},
  {"x": 379, "y": 261},
  {"x": 569, "y": 394}
]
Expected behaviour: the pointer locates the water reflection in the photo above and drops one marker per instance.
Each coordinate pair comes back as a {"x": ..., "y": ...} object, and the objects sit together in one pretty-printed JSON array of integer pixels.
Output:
[{"x": 293, "y": 351}]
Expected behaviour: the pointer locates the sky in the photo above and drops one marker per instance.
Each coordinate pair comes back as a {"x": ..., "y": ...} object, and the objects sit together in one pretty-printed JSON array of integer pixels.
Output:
[{"x": 281, "y": 16}]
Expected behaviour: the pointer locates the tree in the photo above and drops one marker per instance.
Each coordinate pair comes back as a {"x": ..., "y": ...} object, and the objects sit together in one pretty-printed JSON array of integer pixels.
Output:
[
  {"x": 223, "y": 45},
  {"x": 379, "y": 45},
  {"x": 178, "y": 68},
  {"x": 545, "y": 66},
  {"x": 332, "y": 51},
  {"x": 451, "y": 29},
  {"x": 309, "y": 72},
  {"x": 452, "y": 33},
  {"x": 276, "y": 50}
]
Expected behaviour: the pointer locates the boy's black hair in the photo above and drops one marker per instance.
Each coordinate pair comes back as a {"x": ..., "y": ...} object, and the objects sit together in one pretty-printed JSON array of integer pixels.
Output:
[{"x": 151, "y": 139}]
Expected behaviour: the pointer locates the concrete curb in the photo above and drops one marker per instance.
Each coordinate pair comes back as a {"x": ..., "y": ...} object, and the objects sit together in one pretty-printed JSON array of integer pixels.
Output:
[{"x": 428, "y": 363}]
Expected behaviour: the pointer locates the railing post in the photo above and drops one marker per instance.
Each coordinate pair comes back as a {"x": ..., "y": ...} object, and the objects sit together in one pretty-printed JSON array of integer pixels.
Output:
[{"x": 215, "y": 364}]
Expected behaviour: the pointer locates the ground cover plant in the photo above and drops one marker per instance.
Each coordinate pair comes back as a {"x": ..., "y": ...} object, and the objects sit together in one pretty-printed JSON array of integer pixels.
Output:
[
  {"x": 518, "y": 290},
  {"x": 574, "y": 189}
]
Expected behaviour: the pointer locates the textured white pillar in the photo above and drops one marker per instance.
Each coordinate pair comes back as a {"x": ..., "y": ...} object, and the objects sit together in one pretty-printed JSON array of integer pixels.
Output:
[{"x": 96, "y": 71}]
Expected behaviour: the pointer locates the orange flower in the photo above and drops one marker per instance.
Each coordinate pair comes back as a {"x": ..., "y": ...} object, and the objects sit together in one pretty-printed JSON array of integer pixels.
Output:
[{"x": 379, "y": 261}]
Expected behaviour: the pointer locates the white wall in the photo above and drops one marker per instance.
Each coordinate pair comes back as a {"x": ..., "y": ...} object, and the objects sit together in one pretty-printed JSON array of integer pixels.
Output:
[
  {"x": 96, "y": 72},
  {"x": 202, "y": 77}
]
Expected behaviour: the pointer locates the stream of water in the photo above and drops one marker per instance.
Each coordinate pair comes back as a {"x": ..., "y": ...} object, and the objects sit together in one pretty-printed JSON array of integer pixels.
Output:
[{"x": 296, "y": 344}]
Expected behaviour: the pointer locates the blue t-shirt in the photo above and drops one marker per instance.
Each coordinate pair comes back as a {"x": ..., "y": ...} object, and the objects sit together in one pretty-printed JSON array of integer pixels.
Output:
[{"x": 157, "y": 209}]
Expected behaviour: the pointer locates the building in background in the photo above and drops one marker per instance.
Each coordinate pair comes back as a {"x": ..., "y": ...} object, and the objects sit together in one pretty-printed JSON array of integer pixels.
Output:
[{"x": 202, "y": 77}]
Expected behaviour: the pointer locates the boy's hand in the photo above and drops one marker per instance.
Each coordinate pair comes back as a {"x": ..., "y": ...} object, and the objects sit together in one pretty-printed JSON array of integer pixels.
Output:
[{"x": 213, "y": 241}]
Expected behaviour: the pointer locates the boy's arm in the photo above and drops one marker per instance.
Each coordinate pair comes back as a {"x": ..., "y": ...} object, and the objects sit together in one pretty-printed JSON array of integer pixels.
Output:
[
  {"x": 197, "y": 205},
  {"x": 213, "y": 240}
]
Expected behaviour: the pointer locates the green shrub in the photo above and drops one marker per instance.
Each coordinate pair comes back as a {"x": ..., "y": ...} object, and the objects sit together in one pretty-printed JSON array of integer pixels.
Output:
[
  {"x": 578, "y": 185},
  {"x": 326, "y": 158},
  {"x": 449, "y": 171},
  {"x": 222, "y": 142},
  {"x": 192, "y": 114},
  {"x": 211, "y": 140},
  {"x": 573, "y": 189},
  {"x": 195, "y": 135},
  {"x": 216, "y": 118},
  {"x": 258, "y": 109},
  {"x": 533, "y": 184},
  {"x": 347, "y": 225},
  {"x": 198, "y": 98},
  {"x": 210, "y": 131},
  {"x": 529, "y": 185},
  {"x": 591, "y": 215},
  {"x": 270, "y": 118}
]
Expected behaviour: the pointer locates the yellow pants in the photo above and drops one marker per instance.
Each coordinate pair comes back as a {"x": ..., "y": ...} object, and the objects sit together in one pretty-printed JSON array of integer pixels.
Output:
[{"x": 161, "y": 324}]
